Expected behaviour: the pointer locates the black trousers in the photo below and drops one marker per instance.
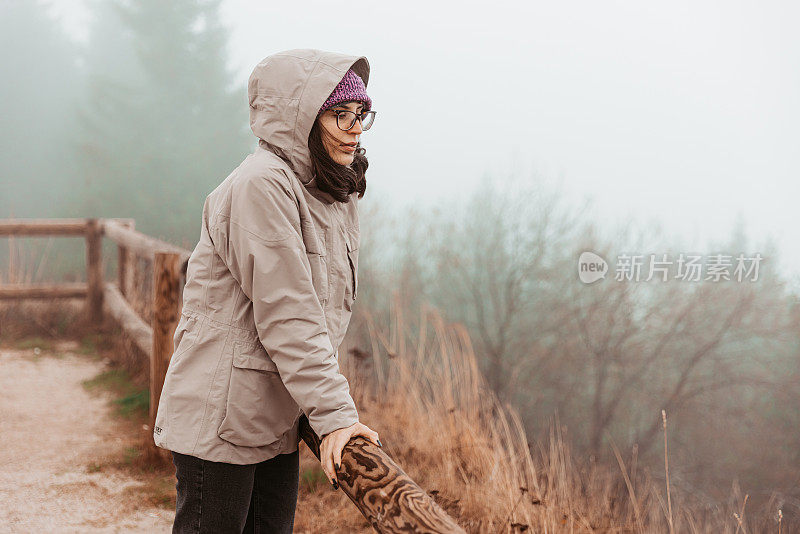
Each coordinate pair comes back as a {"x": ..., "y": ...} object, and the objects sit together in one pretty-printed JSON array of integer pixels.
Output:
[{"x": 218, "y": 497}]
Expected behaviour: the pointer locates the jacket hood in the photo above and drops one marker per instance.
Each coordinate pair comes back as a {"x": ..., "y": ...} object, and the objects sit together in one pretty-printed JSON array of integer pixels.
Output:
[{"x": 286, "y": 90}]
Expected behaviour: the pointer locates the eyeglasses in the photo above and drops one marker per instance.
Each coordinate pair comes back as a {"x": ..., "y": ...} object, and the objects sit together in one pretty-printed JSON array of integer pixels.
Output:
[{"x": 345, "y": 120}]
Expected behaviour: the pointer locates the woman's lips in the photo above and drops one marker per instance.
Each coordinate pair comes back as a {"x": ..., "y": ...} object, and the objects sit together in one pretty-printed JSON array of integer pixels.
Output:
[{"x": 348, "y": 148}]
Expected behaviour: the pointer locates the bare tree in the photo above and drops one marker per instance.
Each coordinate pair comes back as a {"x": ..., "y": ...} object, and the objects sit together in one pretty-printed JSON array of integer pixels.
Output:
[{"x": 497, "y": 269}]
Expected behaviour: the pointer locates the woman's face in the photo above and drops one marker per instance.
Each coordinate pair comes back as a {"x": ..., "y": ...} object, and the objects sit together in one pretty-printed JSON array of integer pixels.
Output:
[{"x": 340, "y": 144}]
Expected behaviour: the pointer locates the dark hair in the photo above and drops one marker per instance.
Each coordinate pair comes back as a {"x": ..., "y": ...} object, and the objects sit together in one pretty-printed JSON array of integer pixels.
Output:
[{"x": 339, "y": 181}]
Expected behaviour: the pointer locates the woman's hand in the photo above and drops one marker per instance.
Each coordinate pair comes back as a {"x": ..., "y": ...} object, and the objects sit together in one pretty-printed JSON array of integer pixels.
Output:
[{"x": 330, "y": 448}]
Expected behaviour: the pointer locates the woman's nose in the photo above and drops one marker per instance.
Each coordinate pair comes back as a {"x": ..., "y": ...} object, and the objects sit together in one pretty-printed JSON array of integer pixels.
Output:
[{"x": 356, "y": 129}]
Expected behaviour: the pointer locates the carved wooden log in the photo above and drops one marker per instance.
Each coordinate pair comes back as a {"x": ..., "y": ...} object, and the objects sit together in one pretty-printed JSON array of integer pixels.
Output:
[
  {"x": 381, "y": 490},
  {"x": 166, "y": 290}
]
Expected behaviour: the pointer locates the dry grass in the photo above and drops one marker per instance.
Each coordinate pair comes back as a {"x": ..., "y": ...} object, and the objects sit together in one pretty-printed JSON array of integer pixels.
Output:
[
  {"x": 439, "y": 420},
  {"x": 419, "y": 385}
]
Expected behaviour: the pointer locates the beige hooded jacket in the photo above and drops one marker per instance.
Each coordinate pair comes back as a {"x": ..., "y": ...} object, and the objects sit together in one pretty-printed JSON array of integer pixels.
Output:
[{"x": 269, "y": 287}]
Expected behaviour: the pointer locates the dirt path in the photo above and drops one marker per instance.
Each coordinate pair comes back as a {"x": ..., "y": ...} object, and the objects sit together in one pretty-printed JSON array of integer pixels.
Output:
[{"x": 52, "y": 433}]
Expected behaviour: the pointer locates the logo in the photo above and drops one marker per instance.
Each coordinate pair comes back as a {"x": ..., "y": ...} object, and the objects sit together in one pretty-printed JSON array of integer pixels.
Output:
[
  {"x": 158, "y": 430},
  {"x": 591, "y": 267},
  {"x": 688, "y": 267}
]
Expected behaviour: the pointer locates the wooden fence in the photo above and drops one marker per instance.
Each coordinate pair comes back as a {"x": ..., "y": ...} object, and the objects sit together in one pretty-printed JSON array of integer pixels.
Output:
[{"x": 387, "y": 497}]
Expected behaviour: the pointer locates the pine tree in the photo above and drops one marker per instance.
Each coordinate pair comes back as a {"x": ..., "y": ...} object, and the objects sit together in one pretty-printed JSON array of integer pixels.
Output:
[
  {"x": 39, "y": 85},
  {"x": 160, "y": 127}
]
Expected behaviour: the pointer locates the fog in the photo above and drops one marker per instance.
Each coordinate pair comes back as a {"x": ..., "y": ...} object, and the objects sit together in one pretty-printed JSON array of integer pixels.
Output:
[
  {"x": 679, "y": 116},
  {"x": 510, "y": 139}
]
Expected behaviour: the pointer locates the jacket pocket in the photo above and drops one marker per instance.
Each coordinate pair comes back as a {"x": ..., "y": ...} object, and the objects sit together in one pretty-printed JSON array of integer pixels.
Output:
[
  {"x": 352, "y": 239},
  {"x": 319, "y": 275},
  {"x": 259, "y": 408},
  {"x": 316, "y": 252},
  {"x": 180, "y": 341}
]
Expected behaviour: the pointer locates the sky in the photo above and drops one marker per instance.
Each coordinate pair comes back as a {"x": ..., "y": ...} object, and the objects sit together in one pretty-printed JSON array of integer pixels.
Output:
[{"x": 680, "y": 115}]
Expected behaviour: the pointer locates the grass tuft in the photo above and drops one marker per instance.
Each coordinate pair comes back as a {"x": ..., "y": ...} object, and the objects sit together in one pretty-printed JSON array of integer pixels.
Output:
[
  {"x": 312, "y": 479},
  {"x": 132, "y": 402}
]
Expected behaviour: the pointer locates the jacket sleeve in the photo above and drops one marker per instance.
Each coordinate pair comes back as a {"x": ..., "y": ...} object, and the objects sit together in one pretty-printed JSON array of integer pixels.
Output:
[{"x": 263, "y": 248}]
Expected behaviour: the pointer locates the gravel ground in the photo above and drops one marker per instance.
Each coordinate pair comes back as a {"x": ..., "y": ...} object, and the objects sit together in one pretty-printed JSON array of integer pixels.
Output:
[{"x": 51, "y": 429}]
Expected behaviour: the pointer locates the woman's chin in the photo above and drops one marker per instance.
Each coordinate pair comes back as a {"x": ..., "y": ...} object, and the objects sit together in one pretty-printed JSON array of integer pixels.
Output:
[{"x": 345, "y": 159}]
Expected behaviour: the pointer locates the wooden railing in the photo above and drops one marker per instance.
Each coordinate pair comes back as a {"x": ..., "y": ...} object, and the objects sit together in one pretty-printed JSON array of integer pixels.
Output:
[
  {"x": 155, "y": 339},
  {"x": 387, "y": 497}
]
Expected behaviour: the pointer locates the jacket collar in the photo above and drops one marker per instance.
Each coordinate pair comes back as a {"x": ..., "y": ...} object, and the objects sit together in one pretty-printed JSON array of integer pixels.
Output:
[{"x": 319, "y": 194}]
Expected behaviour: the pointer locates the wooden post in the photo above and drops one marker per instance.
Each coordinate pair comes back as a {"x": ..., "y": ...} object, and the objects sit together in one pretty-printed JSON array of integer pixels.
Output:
[
  {"x": 136, "y": 281},
  {"x": 384, "y": 494},
  {"x": 166, "y": 291},
  {"x": 122, "y": 264},
  {"x": 94, "y": 271}
]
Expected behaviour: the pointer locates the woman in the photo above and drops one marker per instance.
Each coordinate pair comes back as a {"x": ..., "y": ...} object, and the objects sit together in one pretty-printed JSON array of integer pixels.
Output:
[{"x": 268, "y": 297}]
